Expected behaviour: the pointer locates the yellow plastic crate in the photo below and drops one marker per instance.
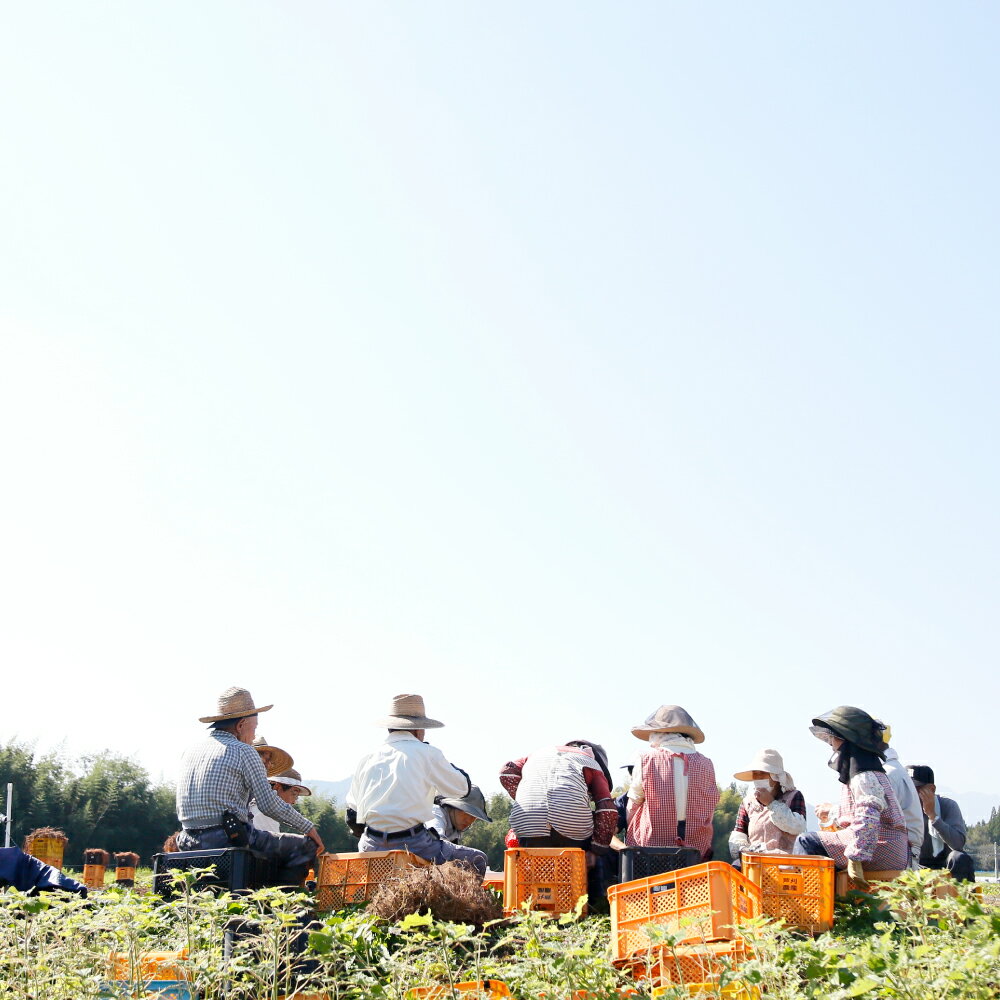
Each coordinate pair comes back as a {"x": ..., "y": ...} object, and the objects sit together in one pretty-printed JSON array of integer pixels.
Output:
[
  {"x": 702, "y": 903},
  {"x": 796, "y": 888},
  {"x": 48, "y": 850},
  {"x": 552, "y": 878},
  {"x": 353, "y": 878}
]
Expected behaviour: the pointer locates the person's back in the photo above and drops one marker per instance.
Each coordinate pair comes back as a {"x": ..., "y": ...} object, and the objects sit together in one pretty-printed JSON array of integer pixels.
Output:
[
  {"x": 391, "y": 799},
  {"x": 909, "y": 801},
  {"x": 553, "y": 795}
]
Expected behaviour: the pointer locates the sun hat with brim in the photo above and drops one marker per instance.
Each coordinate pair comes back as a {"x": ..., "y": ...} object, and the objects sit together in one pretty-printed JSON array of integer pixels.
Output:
[
  {"x": 281, "y": 760},
  {"x": 474, "y": 803},
  {"x": 235, "y": 703},
  {"x": 407, "y": 712},
  {"x": 669, "y": 719},
  {"x": 852, "y": 724},
  {"x": 770, "y": 762},
  {"x": 291, "y": 779}
]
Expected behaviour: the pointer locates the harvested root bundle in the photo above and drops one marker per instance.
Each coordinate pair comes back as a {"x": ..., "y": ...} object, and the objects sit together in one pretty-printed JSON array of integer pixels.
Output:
[{"x": 448, "y": 892}]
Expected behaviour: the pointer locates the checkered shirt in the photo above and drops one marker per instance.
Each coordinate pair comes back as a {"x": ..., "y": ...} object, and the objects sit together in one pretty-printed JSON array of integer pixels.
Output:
[
  {"x": 654, "y": 823},
  {"x": 221, "y": 774}
]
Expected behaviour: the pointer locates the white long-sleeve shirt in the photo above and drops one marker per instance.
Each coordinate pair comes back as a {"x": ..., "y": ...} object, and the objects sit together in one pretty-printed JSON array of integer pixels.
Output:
[
  {"x": 394, "y": 786},
  {"x": 909, "y": 800}
]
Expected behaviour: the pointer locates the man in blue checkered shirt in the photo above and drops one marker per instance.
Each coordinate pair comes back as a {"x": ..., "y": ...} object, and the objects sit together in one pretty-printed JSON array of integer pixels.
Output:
[{"x": 221, "y": 774}]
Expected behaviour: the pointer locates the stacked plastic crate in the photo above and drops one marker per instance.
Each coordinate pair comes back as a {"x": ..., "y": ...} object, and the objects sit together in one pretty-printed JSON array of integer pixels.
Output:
[{"x": 682, "y": 927}]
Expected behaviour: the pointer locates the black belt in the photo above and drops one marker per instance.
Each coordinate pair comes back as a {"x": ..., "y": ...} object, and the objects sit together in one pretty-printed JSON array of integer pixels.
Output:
[
  {"x": 204, "y": 829},
  {"x": 412, "y": 832}
]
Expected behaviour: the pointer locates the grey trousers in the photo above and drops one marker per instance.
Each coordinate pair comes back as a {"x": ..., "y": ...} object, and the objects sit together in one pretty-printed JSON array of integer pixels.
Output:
[
  {"x": 960, "y": 864},
  {"x": 294, "y": 853},
  {"x": 429, "y": 846}
]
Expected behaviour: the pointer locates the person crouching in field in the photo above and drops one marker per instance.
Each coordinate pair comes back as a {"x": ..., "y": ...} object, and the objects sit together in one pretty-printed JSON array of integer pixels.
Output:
[
  {"x": 220, "y": 775},
  {"x": 673, "y": 794},
  {"x": 871, "y": 827},
  {"x": 772, "y": 813}
]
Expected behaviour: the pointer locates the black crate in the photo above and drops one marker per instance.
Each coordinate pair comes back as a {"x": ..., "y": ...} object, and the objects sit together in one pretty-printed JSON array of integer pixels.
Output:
[
  {"x": 642, "y": 862},
  {"x": 234, "y": 868}
]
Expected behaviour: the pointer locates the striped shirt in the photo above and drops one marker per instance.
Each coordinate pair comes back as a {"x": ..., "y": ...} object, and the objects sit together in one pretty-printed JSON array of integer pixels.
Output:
[
  {"x": 552, "y": 790},
  {"x": 221, "y": 774}
]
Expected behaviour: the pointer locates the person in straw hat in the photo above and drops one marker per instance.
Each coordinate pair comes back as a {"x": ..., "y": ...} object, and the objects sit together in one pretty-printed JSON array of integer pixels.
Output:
[
  {"x": 391, "y": 801},
  {"x": 772, "y": 813},
  {"x": 220, "y": 775},
  {"x": 275, "y": 759},
  {"x": 289, "y": 788},
  {"x": 673, "y": 794}
]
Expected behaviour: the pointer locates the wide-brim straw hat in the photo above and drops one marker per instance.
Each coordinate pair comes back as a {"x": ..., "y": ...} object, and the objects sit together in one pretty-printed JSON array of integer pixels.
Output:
[
  {"x": 281, "y": 760},
  {"x": 669, "y": 719},
  {"x": 235, "y": 703},
  {"x": 770, "y": 762},
  {"x": 292, "y": 779},
  {"x": 474, "y": 803},
  {"x": 407, "y": 712}
]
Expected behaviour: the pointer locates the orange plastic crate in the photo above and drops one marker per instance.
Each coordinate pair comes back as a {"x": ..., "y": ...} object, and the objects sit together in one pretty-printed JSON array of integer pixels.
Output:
[
  {"x": 701, "y": 903},
  {"x": 153, "y": 966},
  {"x": 796, "y": 888},
  {"x": 353, "y": 878},
  {"x": 552, "y": 878},
  {"x": 93, "y": 876},
  {"x": 480, "y": 988},
  {"x": 700, "y": 965},
  {"x": 48, "y": 850}
]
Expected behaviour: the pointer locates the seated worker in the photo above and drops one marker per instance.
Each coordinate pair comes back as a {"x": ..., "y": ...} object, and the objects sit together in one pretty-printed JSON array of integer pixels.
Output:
[
  {"x": 452, "y": 816},
  {"x": 906, "y": 793},
  {"x": 673, "y": 794},
  {"x": 871, "y": 829},
  {"x": 275, "y": 759},
  {"x": 219, "y": 776},
  {"x": 288, "y": 787},
  {"x": 391, "y": 800},
  {"x": 944, "y": 829},
  {"x": 28, "y": 874},
  {"x": 552, "y": 791},
  {"x": 772, "y": 813}
]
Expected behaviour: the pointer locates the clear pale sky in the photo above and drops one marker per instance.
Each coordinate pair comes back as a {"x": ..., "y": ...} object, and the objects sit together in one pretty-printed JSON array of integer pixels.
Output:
[{"x": 555, "y": 361}]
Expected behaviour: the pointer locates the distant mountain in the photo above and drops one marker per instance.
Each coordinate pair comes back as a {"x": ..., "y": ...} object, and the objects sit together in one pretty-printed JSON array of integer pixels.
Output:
[{"x": 331, "y": 789}]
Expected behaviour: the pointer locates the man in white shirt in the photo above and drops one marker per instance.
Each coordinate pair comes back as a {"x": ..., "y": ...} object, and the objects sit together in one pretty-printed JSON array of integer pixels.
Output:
[
  {"x": 909, "y": 801},
  {"x": 392, "y": 795}
]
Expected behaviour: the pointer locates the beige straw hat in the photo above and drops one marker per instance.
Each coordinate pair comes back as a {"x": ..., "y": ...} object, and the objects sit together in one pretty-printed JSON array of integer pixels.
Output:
[
  {"x": 669, "y": 719},
  {"x": 770, "y": 762},
  {"x": 292, "y": 779},
  {"x": 235, "y": 703},
  {"x": 280, "y": 760},
  {"x": 407, "y": 712}
]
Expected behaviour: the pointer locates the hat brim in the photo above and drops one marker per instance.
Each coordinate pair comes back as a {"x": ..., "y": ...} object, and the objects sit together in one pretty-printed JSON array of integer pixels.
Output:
[
  {"x": 748, "y": 775},
  {"x": 408, "y": 722},
  {"x": 467, "y": 808},
  {"x": 254, "y": 710},
  {"x": 642, "y": 733},
  {"x": 281, "y": 760},
  {"x": 301, "y": 789}
]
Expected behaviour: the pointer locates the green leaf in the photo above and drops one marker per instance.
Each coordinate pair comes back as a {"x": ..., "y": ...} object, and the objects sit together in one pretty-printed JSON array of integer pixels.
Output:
[{"x": 862, "y": 986}]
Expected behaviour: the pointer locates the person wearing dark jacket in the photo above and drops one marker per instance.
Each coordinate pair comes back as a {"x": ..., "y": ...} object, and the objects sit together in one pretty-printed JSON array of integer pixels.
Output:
[
  {"x": 30, "y": 875},
  {"x": 944, "y": 829}
]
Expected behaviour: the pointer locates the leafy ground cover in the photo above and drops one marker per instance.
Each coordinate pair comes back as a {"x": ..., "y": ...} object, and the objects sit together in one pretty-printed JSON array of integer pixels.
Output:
[{"x": 57, "y": 949}]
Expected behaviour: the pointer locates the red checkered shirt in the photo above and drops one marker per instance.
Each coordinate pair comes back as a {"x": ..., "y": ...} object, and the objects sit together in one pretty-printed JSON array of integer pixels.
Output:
[{"x": 654, "y": 823}]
